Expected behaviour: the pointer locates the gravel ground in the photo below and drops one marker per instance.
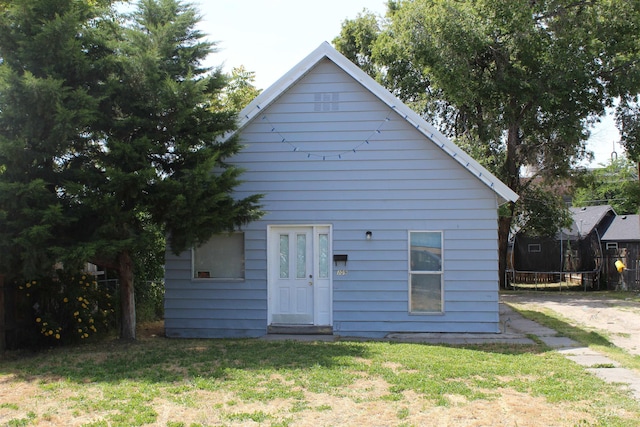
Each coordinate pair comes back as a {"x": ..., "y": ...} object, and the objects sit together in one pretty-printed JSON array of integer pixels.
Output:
[{"x": 619, "y": 319}]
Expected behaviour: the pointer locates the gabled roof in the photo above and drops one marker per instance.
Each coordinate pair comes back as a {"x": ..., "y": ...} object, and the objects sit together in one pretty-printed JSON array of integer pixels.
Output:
[
  {"x": 271, "y": 94},
  {"x": 585, "y": 219},
  {"x": 623, "y": 228}
]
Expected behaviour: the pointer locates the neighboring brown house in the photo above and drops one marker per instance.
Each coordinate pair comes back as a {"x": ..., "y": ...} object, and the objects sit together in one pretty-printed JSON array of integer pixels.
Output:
[
  {"x": 621, "y": 242},
  {"x": 573, "y": 250}
]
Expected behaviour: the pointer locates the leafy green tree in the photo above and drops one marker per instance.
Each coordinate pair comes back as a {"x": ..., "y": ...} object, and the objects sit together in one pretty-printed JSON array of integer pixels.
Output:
[
  {"x": 624, "y": 78},
  {"x": 628, "y": 123},
  {"x": 516, "y": 83},
  {"x": 125, "y": 140},
  {"x": 615, "y": 184},
  {"x": 542, "y": 212},
  {"x": 239, "y": 91}
]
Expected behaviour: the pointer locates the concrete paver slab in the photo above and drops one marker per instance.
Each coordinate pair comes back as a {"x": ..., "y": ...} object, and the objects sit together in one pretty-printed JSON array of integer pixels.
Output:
[
  {"x": 593, "y": 361},
  {"x": 557, "y": 342},
  {"x": 620, "y": 376},
  {"x": 586, "y": 357},
  {"x": 576, "y": 351}
]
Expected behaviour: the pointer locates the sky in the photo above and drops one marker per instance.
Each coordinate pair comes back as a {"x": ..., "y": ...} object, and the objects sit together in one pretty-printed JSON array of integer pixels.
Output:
[{"x": 269, "y": 37}]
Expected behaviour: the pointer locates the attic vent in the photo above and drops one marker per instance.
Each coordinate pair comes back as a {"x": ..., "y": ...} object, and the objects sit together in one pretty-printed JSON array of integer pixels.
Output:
[{"x": 326, "y": 101}]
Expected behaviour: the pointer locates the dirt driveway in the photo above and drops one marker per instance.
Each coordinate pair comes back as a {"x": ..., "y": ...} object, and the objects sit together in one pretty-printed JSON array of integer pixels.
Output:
[{"x": 618, "y": 319}]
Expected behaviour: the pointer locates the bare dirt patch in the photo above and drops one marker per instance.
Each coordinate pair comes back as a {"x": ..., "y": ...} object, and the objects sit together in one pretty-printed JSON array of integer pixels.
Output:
[
  {"x": 618, "y": 319},
  {"x": 361, "y": 404}
]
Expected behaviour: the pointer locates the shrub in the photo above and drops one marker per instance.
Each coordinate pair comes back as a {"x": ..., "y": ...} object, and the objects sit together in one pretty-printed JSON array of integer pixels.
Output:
[
  {"x": 149, "y": 300},
  {"x": 68, "y": 307}
]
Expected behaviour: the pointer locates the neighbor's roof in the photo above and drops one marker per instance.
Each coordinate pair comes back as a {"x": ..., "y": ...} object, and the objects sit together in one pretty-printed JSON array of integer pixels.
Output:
[
  {"x": 269, "y": 95},
  {"x": 585, "y": 219},
  {"x": 623, "y": 228}
]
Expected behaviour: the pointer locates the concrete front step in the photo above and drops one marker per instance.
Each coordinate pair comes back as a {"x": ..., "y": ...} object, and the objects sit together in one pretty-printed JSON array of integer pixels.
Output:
[{"x": 299, "y": 330}]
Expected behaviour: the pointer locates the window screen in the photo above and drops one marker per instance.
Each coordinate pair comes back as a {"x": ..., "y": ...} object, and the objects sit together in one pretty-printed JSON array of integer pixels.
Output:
[{"x": 222, "y": 257}]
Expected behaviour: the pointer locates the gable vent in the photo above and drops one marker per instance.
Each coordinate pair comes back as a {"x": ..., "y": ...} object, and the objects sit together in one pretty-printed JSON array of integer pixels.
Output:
[{"x": 326, "y": 101}]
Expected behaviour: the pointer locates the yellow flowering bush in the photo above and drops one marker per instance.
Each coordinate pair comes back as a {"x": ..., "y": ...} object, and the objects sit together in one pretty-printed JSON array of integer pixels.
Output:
[{"x": 68, "y": 307}]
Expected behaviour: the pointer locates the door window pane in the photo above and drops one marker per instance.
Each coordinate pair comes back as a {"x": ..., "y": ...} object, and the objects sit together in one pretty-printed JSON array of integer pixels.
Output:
[
  {"x": 222, "y": 257},
  {"x": 323, "y": 249},
  {"x": 284, "y": 256},
  {"x": 301, "y": 256}
]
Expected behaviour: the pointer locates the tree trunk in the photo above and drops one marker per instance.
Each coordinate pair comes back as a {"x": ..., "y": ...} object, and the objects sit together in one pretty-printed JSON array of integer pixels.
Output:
[
  {"x": 127, "y": 297},
  {"x": 504, "y": 225},
  {"x": 3, "y": 333},
  {"x": 512, "y": 175}
]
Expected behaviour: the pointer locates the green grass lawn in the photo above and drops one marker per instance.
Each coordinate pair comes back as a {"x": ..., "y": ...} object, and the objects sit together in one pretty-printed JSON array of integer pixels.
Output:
[{"x": 158, "y": 381}]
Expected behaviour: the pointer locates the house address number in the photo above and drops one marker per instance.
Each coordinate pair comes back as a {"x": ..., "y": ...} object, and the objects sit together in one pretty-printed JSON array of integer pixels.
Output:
[{"x": 342, "y": 272}]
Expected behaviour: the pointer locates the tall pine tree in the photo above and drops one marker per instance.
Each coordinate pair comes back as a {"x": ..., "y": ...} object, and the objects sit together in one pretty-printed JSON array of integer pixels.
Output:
[{"x": 49, "y": 78}]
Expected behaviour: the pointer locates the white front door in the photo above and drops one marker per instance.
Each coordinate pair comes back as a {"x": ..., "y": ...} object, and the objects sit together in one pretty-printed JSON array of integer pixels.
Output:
[{"x": 299, "y": 275}]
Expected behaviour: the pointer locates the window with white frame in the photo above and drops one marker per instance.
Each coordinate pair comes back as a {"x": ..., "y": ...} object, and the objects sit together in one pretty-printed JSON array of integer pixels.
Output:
[
  {"x": 612, "y": 245},
  {"x": 425, "y": 272},
  {"x": 222, "y": 257}
]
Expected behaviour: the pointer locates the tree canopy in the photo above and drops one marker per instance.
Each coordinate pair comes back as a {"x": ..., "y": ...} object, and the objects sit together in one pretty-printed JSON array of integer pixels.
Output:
[
  {"x": 615, "y": 184},
  {"x": 515, "y": 83},
  {"x": 239, "y": 91},
  {"x": 108, "y": 133}
]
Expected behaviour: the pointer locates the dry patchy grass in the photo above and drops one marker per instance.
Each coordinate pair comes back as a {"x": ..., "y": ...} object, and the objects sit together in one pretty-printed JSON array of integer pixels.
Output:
[{"x": 173, "y": 383}]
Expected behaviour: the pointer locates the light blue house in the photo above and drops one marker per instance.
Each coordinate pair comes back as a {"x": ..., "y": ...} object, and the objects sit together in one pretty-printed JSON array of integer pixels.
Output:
[{"x": 375, "y": 222}]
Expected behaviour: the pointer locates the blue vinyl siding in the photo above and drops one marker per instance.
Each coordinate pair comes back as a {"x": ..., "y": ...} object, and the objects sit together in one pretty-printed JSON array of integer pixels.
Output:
[{"x": 398, "y": 181}]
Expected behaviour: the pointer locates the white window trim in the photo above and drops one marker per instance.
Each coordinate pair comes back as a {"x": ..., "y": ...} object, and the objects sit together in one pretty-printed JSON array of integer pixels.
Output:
[
  {"x": 440, "y": 273},
  {"x": 612, "y": 245}
]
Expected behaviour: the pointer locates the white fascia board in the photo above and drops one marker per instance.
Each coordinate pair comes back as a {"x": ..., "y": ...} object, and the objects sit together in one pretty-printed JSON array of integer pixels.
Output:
[{"x": 269, "y": 95}]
